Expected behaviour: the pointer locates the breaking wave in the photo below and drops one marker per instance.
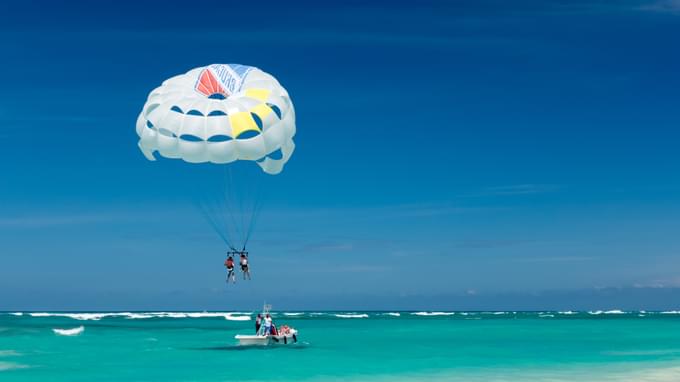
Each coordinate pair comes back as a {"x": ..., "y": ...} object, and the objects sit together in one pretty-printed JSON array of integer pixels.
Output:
[
  {"x": 433, "y": 314},
  {"x": 237, "y": 316},
  {"x": 247, "y": 316},
  {"x": 69, "y": 332},
  {"x": 80, "y": 316},
  {"x": 231, "y": 317},
  {"x": 351, "y": 315}
]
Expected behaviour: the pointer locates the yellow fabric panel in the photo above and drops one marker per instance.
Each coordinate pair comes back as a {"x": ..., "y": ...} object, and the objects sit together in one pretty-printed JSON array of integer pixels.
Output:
[
  {"x": 262, "y": 110},
  {"x": 240, "y": 122},
  {"x": 260, "y": 94}
]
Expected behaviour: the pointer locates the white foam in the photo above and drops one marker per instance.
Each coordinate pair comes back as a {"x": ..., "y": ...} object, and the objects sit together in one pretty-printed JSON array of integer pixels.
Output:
[
  {"x": 11, "y": 366},
  {"x": 138, "y": 316},
  {"x": 236, "y": 316},
  {"x": 615, "y": 311},
  {"x": 69, "y": 332},
  {"x": 568, "y": 312},
  {"x": 169, "y": 314},
  {"x": 546, "y": 315},
  {"x": 17, "y": 314},
  {"x": 596, "y": 312},
  {"x": 499, "y": 313},
  {"x": 393, "y": 314},
  {"x": 41, "y": 314},
  {"x": 79, "y": 316},
  {"x": 671, "y": 312},
  {"x": 293, "y": 314},
  {"x": 231, "y": 317},
  {"x": 433, "y": 313},
  {"x": 352, "y": 315}
]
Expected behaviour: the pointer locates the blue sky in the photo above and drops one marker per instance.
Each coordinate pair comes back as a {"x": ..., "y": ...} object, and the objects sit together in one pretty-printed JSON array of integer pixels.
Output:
[{"x": 453, "y": 155}]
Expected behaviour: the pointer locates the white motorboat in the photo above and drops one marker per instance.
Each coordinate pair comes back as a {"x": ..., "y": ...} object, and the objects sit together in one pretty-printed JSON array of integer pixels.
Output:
[
  {"x": 264, "y": 340},
  {"x": 283, "y": 335}
]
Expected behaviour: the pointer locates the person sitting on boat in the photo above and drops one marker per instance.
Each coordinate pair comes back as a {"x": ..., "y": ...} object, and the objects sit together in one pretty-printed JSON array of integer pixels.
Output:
[
  {"x": 244, "y": 265},
  {"x": 230, "y": 268},
  {"x": 258, "y": 323}
]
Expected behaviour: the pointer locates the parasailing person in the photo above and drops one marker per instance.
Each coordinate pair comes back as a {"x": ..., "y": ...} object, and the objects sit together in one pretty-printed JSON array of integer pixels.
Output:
[
  {"x": 244, "y": 265},
  {"x": 231, "y": 275},
  {"x": 224, "y": 115}
]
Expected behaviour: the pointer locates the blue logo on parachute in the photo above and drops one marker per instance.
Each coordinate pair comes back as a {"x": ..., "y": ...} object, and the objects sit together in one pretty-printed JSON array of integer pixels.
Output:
[{"x": 219, "y": 81}]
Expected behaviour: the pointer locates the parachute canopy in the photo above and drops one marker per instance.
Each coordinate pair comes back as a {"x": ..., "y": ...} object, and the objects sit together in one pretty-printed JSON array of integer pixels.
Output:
[{"x": 220, "y": 113}]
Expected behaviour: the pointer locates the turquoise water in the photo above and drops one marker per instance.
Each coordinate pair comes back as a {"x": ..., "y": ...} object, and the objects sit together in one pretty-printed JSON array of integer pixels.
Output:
[{"x": 472, "y": 346}]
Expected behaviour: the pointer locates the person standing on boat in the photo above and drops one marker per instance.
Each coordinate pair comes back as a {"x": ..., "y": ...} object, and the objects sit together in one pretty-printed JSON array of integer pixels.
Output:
[
  {"x": 267, "y": 324},
  {"x": 230, "y": 268},
  {"x": 258, "y": 323},
  {"x": 244, "y": 265}
]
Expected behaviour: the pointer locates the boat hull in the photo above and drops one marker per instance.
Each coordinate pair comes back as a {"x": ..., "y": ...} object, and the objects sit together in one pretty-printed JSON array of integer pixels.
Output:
[{"x": 257, "y": 340}]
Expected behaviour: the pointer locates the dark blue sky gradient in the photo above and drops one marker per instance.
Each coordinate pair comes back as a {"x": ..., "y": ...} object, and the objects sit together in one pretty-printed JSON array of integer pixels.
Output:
[{"x": 449, "y": 155}]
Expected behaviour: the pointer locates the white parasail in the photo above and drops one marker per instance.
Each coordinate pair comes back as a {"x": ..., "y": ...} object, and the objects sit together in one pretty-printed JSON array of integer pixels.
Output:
[{"x": 220, "y": 113}]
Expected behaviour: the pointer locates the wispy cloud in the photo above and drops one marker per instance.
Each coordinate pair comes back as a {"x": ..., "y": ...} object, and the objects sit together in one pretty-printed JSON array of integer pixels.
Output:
[
  {"x": 490, "y": 243},
  {"x": 51, "y": 221},
  {"x": 385, "y": 211},
  {"x": 514, "y": 190},
  {"x": 672, "y": 282},
  {"x": 522, "y": 189},
  {"x": 22, "y": 219},
  {"x": 328, "y": 247},
  {"x": 360, "y": 268},
  {"x": 554, "y": 259},
  {"x": 663, "y": 6}
]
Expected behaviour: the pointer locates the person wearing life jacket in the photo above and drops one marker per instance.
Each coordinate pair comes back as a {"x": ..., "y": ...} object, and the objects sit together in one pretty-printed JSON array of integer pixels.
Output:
[
  {"x": 231, "y": 275},
  {"x": 244, "y": 265}
]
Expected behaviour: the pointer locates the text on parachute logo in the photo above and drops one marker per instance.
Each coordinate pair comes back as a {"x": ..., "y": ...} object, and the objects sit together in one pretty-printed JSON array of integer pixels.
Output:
[{"x": 220, "y": 80}]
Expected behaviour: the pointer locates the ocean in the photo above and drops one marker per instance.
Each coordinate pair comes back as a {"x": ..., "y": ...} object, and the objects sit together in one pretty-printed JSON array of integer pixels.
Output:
[{"x": 339, "y": 346}]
